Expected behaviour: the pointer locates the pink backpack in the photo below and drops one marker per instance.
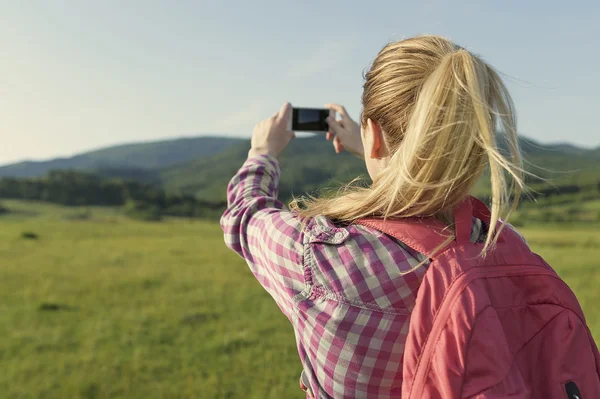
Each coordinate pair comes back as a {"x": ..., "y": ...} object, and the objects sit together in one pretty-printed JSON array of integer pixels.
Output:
[{"x": 502, "y": 326}]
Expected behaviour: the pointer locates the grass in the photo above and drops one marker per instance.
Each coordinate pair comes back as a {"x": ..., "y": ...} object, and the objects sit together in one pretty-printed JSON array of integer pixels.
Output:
[
  {"x": 579, "y": 209},
  {"x": 105, "y": 307}
]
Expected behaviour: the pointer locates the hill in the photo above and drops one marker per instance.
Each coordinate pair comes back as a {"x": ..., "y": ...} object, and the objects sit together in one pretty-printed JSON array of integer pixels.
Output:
[
  {"x": 135, "y": 160},
  {"x": 311, "y": 163},
  {"x": 202, "y": 166}
]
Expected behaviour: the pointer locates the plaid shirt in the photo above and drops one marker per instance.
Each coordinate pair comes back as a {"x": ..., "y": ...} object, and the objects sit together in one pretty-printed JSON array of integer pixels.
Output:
[{"x": 340, "y": 286}]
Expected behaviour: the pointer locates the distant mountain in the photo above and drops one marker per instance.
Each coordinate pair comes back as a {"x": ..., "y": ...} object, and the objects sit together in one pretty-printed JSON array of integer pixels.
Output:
[
  {"x": 311, "y": 163},
  {"x": 561, "y": 162},
  {"x": 136, "y": 159},
  {"x": 202, "y": 166}
]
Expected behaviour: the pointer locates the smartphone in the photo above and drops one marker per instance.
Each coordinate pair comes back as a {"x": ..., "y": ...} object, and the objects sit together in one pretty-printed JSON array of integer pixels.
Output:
[{"x": 310, "y": 119}]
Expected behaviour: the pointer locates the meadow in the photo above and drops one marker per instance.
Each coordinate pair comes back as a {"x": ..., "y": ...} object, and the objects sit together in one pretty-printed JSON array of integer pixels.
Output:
[{"x": 94, "y": 305}]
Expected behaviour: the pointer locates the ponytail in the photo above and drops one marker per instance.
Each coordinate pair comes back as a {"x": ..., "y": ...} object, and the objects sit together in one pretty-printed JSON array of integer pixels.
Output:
[{"x": 439, "y": 108}]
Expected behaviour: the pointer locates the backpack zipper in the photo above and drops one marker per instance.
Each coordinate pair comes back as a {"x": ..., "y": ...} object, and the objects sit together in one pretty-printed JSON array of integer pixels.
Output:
[{"x": 456, "y": 287}]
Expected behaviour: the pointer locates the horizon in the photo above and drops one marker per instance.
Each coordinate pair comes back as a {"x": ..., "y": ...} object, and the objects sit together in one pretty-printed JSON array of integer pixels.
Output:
[
  {"x": 300, "y": 135},
  {"x": 95, "y": 75}
]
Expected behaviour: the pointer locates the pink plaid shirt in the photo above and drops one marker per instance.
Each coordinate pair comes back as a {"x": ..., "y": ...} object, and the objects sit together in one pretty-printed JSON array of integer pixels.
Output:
[{"x": 340, "y": 286}]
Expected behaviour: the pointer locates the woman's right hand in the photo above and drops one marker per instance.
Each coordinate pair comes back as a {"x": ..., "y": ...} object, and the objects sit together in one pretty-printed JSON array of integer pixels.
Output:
[{"x": 344, "y": 132}]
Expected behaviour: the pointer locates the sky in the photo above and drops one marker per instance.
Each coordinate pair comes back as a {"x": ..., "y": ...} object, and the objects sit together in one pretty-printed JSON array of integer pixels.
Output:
[{"x": 77, "y": 75}]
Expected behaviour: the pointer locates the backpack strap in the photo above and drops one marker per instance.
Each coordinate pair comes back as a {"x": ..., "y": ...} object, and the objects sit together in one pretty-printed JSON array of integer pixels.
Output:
[
  {"x": 428, "y": 235},
  {"x": 463, "y": 214}
]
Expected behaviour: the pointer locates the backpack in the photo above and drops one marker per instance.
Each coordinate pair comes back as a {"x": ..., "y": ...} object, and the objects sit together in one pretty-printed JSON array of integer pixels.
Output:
[{"x": 500, "y": 326}]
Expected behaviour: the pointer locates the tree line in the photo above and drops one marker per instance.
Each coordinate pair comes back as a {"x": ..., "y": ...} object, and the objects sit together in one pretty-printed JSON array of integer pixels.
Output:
[
  {"x": 73, "y": 188},
  {"x": 146, "y": 201}
]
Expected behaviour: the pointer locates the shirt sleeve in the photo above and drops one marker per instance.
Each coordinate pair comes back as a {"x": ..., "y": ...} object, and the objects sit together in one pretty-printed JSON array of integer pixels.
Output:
[{"x": 260, "y": 229}]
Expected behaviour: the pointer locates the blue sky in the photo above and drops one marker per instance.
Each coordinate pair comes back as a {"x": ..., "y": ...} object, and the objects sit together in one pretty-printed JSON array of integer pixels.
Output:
[{"x": 82, "y": 74}]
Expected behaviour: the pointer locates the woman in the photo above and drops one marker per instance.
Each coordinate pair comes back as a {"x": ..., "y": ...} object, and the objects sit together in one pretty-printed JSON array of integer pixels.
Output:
[{"x": 431, "y": 111}]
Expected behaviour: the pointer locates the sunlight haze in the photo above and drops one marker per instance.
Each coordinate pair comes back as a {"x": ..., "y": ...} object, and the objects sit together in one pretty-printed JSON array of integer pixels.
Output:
[{"x": 79, "y": 75}]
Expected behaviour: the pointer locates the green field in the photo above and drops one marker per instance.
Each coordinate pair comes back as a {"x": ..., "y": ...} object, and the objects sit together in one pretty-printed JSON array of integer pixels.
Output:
[{"x": 99, "y": 306}]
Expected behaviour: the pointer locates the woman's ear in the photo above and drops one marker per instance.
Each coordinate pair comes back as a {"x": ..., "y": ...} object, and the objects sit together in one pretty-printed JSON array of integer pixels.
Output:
[{"x": 375, "y": 145}]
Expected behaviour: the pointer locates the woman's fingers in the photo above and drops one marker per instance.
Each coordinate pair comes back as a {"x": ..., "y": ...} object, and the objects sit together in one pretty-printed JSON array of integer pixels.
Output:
[
  {"x": 345, "y": 131},
  {"x": 335, "y": 127},
  {"x": 340, "y": 109},
  {"x": 284, "y": 113},
  {"x": 336, "y": 130},
  {"x": 271, "y": 135},
  {"x": 337, "y": 144},
  {"x": 337, "y": 108}
]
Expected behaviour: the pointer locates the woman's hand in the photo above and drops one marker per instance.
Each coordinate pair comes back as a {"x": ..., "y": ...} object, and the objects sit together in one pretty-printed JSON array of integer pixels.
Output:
[
  {"x": 271, "y": 136},
  {"x": 344, "y": 132}
]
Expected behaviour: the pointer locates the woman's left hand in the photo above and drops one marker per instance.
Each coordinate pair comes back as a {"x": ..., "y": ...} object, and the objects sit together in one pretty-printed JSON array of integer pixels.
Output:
[
  {"x": 345, "y": 132},
  {"x": 271, "y": 136}
]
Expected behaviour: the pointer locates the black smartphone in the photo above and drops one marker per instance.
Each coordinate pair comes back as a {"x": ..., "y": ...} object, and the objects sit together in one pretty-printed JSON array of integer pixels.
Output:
[{"x": 310, "y": 119}]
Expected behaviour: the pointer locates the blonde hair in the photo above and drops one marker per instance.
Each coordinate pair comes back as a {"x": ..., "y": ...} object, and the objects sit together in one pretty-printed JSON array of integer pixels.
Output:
[{"x": 439, "y": 108}]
